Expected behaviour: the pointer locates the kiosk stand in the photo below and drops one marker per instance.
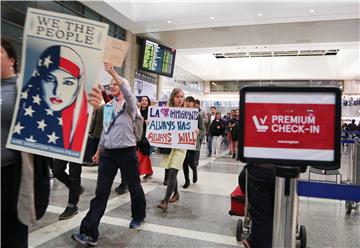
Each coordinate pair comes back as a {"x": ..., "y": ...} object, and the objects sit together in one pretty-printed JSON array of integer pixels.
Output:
[
  {"x": 285, "y": 206},
  {"x": 291, "y": 128}
]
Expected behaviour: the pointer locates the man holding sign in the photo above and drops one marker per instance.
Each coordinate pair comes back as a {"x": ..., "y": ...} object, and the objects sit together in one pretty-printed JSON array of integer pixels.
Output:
[{"x": 192, "y": 156}]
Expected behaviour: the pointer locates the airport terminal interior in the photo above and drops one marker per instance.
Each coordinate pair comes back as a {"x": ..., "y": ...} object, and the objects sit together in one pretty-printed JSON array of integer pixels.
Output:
[{"x": 214, "y": 49}]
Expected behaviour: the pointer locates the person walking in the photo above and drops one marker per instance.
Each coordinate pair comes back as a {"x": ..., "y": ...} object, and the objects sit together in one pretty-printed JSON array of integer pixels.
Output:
[
  {"x": 117, "y": 149},
  {"x": 143, "y": 146},
  {"x": 25, "y": 183},
  {"x": 234, "y": 126},
  {"x": 217, "y": 129},
  {"x": 94, "y": 136},
  {"x": 229, "y": 129},
  {"x": 208, "y": 134},
  {"x": 203, "y": 115},
  {"x": 173, "y": 161},
  {"x": 192, "y": 156},
  {"x": 72, "y": 181}
]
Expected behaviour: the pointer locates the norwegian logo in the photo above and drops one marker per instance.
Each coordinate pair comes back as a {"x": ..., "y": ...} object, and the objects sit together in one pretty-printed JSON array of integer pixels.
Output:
[{"x": 260, "y": 124}]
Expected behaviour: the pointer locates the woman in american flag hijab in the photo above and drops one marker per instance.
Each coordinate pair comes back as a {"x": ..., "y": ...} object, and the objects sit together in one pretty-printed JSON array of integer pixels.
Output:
[{"x": 53, "y": 104}]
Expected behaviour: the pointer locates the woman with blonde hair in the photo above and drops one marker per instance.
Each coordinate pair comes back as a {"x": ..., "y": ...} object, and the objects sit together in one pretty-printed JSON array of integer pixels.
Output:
[{"x": 173, "y": 161}]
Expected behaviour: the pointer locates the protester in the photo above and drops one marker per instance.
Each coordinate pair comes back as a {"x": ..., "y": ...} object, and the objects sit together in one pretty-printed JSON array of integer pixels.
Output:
[
  {"x": 72, "y": 181},
  {"x": 117, "y": 149},
  {"x": 173, "y": 161},
  {"x": 25, "y": 184},
  {"x": 202, "y": 113},
  {"x": 94, "y": 136},
  {"x": 192, "y": 156},
  {"x": 117, "y": 96},
  {"x": 143, "y": 146}
]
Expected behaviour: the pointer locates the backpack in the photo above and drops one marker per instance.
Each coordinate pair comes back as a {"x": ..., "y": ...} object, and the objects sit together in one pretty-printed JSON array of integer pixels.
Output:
[{"x": 138, "y": 124}]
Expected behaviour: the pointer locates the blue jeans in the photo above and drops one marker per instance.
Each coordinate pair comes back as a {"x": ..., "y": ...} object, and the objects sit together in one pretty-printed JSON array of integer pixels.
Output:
[
  {"x": 209, "y": 144},
  {"x": 110, "y": 161}
]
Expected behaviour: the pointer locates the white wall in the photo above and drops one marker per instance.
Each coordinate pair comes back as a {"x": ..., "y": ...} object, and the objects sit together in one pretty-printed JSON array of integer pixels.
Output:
[
  {"x": 348, "y": 63},
  {"x": 351, "y": 87},
  {"x": 345, "y": 65}
]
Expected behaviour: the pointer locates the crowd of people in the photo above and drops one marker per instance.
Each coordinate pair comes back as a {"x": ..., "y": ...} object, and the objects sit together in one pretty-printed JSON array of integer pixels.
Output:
[
  {"x": 351, "y": 101},
  {"x": 25, "y": 177},
  {"x": 112, "y": 118},
  {"x": 351, "y": 127},
  {"x": 222, "y": 130}
]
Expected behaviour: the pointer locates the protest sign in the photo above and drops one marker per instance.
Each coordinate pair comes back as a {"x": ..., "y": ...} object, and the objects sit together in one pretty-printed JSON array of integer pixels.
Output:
[
  {"x": 115, "y": 51},
  {"x": 172, "y": 127},
  {"x": 61, "y": 58}
]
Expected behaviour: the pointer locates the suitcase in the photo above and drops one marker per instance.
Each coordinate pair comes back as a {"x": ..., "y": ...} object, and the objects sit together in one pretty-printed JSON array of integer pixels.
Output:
[{"x": 237, "y": 202}]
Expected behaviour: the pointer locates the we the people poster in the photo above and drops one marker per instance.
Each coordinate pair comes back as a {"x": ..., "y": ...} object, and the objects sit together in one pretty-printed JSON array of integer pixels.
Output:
[
  {"x": 172, "y": 127},
  {"x": 62, "y": 55}
]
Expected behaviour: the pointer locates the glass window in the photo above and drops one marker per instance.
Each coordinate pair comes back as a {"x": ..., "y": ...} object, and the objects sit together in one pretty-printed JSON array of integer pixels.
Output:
[
  {"x": 49, "y": 5},
  {"x": 74, "y": 6},
  {"x": 22, "y": 5},
  {"x": 120, "y": 36},
  {"x": 12, "y": 15},
  {"x": 90, "y": 14},
  {"x": 111, "y": 24},
  {"x": 11, "y": 31},
  {"x": 70, "y": 12}
]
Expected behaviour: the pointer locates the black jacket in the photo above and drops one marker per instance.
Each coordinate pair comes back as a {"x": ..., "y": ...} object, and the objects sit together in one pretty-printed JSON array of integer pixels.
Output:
[{"x": 217, "y": 128}]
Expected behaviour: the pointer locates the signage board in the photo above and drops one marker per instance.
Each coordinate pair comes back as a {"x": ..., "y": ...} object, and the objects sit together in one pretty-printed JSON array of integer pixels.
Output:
[
  {"x": 290, "y": 126},
  {"x": 62, "y": 57},
  {"x": 172, "y": 127}
]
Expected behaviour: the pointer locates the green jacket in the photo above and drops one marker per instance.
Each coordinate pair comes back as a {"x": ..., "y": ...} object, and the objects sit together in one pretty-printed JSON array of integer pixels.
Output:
[
  {"x": 201, "y": 133},
  {"x": 96, "y": 125}
]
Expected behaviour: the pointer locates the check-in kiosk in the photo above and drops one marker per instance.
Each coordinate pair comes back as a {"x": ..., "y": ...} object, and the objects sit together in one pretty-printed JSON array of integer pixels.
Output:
[{"x": 292, "y": 128}]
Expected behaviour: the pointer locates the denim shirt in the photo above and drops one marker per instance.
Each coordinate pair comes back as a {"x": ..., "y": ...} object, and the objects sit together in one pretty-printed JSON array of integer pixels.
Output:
[{"x": 8, "y": 99}]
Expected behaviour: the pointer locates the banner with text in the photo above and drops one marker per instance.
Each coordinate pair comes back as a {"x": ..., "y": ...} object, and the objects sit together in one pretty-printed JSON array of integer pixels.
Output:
[
  {"x": 172, "y": 127},
  {"x": 62, "y": 57},
  {"x": 290, "y": 125}
]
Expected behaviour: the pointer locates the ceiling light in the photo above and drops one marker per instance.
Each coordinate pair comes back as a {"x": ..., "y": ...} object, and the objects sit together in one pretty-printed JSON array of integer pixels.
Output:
[
  {"x": 260, "y": 14},
  {"x": 212, "y": 18},
  {"x": 311, "y": 11},
  {"x": 169, "y": 22}
]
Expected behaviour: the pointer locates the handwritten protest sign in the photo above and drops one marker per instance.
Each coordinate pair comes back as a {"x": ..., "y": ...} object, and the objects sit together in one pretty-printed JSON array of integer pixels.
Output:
[
  {"x": 172, "y": 127},
  {"x": 61, "y": 58},
  {"x": 115, "y": 51}
]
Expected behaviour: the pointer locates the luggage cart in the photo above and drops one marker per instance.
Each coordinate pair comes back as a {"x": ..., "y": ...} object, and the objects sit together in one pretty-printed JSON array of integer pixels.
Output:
[
  {"x": 240, "y": 207},
  {"x": 354, "y": 172}
]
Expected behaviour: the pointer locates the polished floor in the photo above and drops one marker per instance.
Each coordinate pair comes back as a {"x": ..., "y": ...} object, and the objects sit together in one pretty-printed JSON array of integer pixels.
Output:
[{"x": 199, "y": 219}]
